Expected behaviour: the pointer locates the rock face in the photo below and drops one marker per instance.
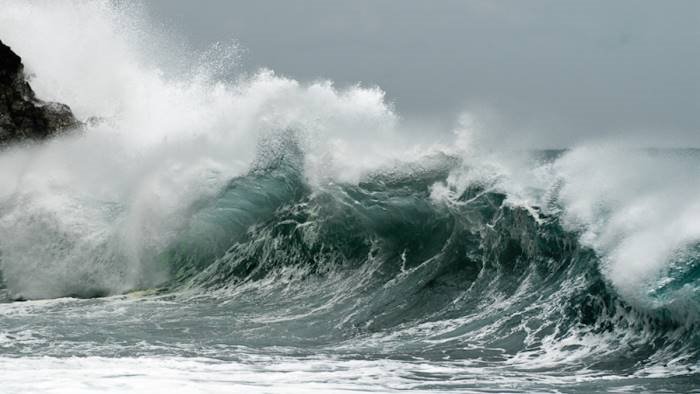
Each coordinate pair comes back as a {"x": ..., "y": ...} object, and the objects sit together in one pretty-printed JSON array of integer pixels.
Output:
[{"x": 22, "y": 115}]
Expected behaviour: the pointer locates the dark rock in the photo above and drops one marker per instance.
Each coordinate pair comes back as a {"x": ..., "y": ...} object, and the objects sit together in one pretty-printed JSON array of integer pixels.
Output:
[{"x": 22, "y": 115}]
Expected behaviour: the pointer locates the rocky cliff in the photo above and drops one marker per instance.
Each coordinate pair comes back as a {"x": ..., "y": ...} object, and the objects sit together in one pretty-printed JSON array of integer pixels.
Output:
[{"x": 22, "y": 115}]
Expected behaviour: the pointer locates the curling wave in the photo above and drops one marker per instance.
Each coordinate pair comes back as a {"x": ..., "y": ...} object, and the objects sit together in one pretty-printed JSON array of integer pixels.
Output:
[{"x": 310, "y": 208}]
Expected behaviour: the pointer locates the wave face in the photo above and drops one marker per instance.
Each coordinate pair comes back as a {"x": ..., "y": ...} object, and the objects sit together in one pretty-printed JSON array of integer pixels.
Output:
[
  {"x": 262, "y": 223},
  {"x": 442, "y": 269}
]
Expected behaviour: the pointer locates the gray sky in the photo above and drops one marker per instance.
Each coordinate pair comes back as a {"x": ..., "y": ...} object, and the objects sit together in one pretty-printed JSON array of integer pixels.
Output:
[{"x": 557, "y": 70}]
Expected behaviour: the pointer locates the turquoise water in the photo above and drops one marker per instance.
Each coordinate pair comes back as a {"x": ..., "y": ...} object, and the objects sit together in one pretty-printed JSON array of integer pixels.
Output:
[{"x": 374, "y": 286}]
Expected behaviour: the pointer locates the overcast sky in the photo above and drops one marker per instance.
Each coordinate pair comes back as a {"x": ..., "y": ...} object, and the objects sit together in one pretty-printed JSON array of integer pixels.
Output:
[{"x": 561, "y": 70}]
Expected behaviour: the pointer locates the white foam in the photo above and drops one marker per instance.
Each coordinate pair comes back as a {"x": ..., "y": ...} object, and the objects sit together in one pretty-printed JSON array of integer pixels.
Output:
[
  {"x": 95, "y": 207},
  {"x": 637, "y": 208},
  {"x": 263, "y": 374}
]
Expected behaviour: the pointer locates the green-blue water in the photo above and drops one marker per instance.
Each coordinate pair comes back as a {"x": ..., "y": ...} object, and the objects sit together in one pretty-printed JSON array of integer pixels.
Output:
[{"x": 374, "y": 286}]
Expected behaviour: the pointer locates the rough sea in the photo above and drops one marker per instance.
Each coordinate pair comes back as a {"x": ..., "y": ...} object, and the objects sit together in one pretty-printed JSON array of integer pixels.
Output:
[{"x": 259, "y": 234}]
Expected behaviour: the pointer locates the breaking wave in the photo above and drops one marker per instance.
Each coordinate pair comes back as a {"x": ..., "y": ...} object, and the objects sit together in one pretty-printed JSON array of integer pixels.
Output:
[{"x": 312, "y": 203}]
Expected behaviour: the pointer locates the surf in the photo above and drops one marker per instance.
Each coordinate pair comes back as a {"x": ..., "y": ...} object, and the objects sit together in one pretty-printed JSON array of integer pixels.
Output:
[{"x": 295, "y": 215}]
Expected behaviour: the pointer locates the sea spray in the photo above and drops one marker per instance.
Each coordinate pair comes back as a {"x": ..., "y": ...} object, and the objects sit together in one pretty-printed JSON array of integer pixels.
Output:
[{"x": 240, "y": 227}]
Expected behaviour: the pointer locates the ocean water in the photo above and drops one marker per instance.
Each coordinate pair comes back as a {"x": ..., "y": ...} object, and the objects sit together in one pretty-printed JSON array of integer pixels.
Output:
[{"x": 258, "y": 234}]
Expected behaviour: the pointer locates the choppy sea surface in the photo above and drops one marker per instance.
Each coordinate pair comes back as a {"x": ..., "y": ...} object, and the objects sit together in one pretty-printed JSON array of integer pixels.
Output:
[{"x": 265, "y": 235}]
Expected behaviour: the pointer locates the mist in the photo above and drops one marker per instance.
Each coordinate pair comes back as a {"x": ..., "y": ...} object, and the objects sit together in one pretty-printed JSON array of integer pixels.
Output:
[{"x": 543, "y": 73}]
